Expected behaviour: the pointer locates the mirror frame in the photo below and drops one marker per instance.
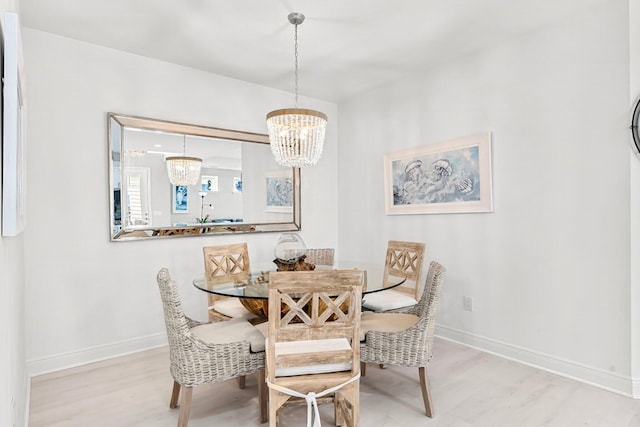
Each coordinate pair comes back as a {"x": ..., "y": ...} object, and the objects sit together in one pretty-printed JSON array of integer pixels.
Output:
[{"x": 207, "y": 229}]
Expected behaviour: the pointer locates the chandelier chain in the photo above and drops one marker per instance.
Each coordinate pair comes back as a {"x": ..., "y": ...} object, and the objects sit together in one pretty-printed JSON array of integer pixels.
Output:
[{"x": 296, "y": 63}]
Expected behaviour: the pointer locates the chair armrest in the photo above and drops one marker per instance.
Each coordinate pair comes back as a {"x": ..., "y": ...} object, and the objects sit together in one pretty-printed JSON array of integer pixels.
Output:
[
  {"x": 413, "y": 339},
  {"x": 379, "y": 339},
  {"x": 410, "y": 347},
  {"x": 192, "y": 323},
  {"x": 236, "y": 346}
]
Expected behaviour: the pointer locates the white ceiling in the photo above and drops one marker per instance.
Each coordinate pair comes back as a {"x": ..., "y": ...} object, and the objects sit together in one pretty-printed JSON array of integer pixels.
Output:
[{"x": 345, "y": 46}]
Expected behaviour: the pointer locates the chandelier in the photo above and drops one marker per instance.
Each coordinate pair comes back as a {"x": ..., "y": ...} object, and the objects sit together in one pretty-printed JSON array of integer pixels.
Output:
[
  {"x": 183, "y": 170},
  {"x": 296, "y": 135}
]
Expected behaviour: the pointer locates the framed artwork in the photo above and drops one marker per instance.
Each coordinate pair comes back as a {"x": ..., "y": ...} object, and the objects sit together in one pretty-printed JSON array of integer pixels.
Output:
[
  {"x": 209, "y": 183},
  {"x": 279, "y": 191},
  {"x": 447, "y": 177},
  {"x": 13, "y": 138},
  {"x": 180, "y": 199}
]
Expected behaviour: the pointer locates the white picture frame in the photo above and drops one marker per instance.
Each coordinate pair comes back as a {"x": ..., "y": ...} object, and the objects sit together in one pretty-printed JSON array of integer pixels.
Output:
[
  {"x": 13, "y": 132},
  {"x": 446, "y": 177}
]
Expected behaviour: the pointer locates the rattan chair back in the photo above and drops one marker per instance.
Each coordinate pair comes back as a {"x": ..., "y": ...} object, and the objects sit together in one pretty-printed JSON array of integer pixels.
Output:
[{"x": 320, "y": 256}]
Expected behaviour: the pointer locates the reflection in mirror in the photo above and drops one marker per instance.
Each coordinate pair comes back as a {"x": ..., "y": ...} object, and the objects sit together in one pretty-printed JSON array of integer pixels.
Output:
[{"x": 241, "y": 188}]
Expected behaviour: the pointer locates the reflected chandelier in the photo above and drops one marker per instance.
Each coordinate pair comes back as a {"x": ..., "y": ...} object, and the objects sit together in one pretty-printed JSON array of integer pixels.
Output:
[
  {"x": 296, "y": 135},
  {"x": 183, "y": 170}
]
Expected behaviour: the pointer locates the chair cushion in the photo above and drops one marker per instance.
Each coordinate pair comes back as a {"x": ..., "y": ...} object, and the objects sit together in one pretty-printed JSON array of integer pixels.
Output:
[
  {"x": 263, "y": 327},
  {"x": 229, "y": 331},
  {"x": 312, "y": 346},
  {"x": 388, "y": 300},
  {"x": 385, "y": 322},
  {"x": 232, "y": 307}
]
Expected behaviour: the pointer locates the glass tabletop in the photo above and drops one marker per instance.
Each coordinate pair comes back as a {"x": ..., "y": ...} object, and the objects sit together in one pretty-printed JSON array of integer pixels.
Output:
[{"x": 257, "y": 285}]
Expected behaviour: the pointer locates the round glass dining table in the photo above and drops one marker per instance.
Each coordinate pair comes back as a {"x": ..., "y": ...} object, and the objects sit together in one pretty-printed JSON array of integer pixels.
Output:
[{"x": 254, "y": 291}]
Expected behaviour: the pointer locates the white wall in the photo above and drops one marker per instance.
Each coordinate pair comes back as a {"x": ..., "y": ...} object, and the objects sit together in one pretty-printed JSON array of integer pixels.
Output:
[
  {"x": 634, "y": 300},
  {"x": 13, "y": 373},
  {"x": 549, "y": 269},
  {"x": 14, "y": 384},
  {"x": 91, "y": 298}
]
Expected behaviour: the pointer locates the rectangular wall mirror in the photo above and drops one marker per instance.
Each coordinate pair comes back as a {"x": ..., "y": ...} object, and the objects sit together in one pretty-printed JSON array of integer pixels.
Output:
[{"x": 241, "y": 187}]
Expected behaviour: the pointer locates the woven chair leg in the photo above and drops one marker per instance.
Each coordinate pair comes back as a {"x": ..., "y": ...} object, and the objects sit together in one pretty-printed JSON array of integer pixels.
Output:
[
  {"x": 363, "y": 369},
  {"x": 426, "y": 394},
  {"x": 185, "y": 407},
  {"x": 241, "y": 381},
  {"x": 262, "y": 396},
  {"x": 174, "y": 395}
]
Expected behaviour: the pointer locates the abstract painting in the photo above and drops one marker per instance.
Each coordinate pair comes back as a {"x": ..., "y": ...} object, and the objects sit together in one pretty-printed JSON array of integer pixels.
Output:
[
  {"x": 180, "y": 199},
  {"x": 279, "y": 191},
  {"x": 447, "y": 177}
]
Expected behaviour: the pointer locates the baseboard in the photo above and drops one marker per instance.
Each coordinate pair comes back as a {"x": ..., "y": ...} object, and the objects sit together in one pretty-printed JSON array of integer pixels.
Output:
[
  {"x": 94, "y": 354},
  {"x": 566, "y": 368}
]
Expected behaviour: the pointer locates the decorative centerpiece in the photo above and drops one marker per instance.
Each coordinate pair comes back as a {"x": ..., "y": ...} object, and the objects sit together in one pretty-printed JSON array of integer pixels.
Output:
[{"x": 290, "y": 253}]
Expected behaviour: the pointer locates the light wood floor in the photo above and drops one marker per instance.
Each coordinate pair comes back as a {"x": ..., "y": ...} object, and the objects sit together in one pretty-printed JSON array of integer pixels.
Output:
[{"x": 469, "y": 388}]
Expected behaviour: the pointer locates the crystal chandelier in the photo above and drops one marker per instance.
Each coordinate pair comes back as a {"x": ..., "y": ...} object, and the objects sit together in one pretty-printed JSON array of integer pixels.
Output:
[
  {"x": 296, "y": 134},
  {"x": 183, "y": 170}
]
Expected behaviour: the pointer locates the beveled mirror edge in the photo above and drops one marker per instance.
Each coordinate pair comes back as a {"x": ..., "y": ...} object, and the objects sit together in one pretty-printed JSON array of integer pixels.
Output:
[
  {"x": 138, "y": 122},
  {"x": 186, "y": 128}
]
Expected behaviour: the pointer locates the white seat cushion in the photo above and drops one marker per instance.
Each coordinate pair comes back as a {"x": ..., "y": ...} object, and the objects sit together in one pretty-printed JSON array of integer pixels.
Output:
[
  {"x": 232, "y": 307},
  {"x": 312, "y": 346},
  {"x": 263, "y": 328},
  {"x": 385, "y": 322},
  {"x": 388, "y": 300},
  {"x": 229, "y": 331}
]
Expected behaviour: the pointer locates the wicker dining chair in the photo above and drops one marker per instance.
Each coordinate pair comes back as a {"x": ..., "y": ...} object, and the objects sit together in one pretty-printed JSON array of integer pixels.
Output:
[
  {"x": 202, "y": 353},
  {"x": 403, "y": 259},
  {"x": 405, "y": 339},
  {"x": 223, "y": 264},
  {"x": 320, "y": 257},
  {"x": 313, "y": 342}
]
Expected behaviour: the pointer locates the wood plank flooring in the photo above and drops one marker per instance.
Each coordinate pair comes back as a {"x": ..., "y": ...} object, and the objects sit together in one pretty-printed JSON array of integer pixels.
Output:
[{"x": 469, "y": 388}]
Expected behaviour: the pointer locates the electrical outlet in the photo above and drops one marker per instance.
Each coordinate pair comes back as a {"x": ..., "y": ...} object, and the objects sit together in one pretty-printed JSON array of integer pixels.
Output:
[{"x": 467, "y": 303}]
